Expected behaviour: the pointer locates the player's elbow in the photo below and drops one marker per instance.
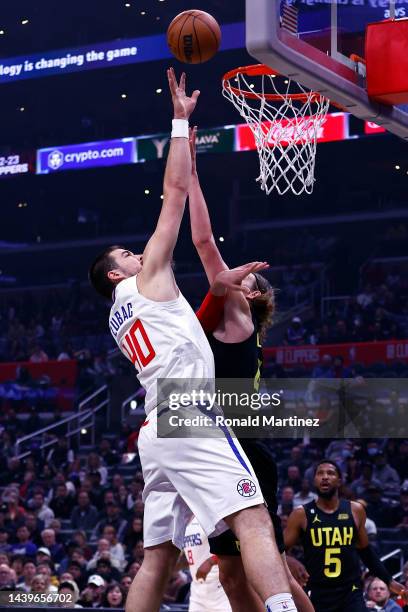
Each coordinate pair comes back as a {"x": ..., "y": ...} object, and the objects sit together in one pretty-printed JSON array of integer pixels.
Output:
[
  {"x": 176, "y": 184},
  {"x": 203, "y": 241}
]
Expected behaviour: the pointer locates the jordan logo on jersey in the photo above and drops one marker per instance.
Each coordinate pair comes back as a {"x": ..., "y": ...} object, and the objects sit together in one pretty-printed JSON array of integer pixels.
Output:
[{"x": 316, "y": 520}]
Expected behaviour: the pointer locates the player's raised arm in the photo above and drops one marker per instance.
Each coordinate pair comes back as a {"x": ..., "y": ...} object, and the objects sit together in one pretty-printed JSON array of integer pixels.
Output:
[
  {"x": 201, "y": 230},
  {"x": 295, "y": 526},
  {"x": 159, "y": 250}
]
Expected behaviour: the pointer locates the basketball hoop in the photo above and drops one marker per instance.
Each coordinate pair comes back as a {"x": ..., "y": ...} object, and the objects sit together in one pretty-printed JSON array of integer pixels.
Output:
[{"x": 285, "y": 125}]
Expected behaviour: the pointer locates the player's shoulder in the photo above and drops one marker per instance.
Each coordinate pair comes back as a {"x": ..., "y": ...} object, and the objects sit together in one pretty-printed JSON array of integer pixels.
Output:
[
  {"x": 299, "y": 513},
  {"x": 358, "y": 509},
  {"x": 124, "y": 289},
  {"x": 359, "y": 513}
]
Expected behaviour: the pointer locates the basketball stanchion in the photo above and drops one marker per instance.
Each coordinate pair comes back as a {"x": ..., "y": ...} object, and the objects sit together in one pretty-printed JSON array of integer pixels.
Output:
[{"x": 285, "y": 124}]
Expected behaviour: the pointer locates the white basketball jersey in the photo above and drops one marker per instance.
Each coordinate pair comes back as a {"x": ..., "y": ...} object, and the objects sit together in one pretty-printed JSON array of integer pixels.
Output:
[
  {"x": 161, "y": 339},
  {"x": 197, "y": 550}
]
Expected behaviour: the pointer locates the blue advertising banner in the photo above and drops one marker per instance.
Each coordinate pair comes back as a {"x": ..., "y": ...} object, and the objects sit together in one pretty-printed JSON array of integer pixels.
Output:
[
  {"x": 87, "y": 155},
  {"x": 102, "y": 55}
]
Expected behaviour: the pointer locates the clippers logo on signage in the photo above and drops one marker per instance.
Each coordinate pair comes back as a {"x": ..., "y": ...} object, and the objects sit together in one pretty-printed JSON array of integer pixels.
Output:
[
  {"x": 18, "y": 163},
  {"x": 360, "y": 352},
  {"x": 334, "y": 128},
  {"x": 372, "y": 128}
]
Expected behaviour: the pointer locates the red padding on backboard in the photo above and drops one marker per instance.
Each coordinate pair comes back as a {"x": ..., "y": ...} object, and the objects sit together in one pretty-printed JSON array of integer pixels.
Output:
[{"x": 386, "y": 54}]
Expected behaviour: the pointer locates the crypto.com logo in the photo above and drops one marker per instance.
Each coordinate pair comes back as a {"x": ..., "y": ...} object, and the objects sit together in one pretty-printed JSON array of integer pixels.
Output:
[{"x": 55, "y": 160}]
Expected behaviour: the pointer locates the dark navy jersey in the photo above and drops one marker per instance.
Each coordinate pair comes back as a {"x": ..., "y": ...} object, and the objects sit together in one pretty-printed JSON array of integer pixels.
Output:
[
  {"x": 244, "y": 360},
  {"x": 329, "y": 544},
  {"x": 238, "y": 359}
]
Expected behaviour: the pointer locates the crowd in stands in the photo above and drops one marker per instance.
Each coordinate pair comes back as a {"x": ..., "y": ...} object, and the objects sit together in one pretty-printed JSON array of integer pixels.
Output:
[
  {"x": 74, "y": 523},
  {"x": 378, "y": 311},
  {"x": 41, "y": 325}
]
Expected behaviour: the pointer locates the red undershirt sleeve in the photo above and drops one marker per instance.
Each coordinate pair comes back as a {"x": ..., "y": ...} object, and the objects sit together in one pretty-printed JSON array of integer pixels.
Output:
[{"x": 211, "y": 311}]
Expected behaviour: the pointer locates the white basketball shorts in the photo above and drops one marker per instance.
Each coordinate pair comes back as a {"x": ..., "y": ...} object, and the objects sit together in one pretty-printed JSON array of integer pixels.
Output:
[
  {"x": 208, "y": 477},
  {"x": 208, "y": 597}
]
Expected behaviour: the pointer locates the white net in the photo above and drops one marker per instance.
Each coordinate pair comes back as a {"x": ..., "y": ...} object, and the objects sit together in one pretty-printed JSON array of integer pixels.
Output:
[{"x": 286, "y": 126}]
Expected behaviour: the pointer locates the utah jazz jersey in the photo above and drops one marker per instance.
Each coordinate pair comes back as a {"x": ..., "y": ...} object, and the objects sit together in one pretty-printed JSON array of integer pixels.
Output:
[
  {"x": 329, "y": 544},
  {"x": 244, "y": 360},
  {"x": 238, "y": 359}
]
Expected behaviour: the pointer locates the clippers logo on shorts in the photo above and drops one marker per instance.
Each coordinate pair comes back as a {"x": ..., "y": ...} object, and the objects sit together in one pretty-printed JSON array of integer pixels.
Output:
[{"x": 246, "y": 487}]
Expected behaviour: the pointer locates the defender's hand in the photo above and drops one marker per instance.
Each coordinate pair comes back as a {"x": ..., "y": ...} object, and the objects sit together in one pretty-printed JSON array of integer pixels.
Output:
[
  {"x": 183, "y": 105},
  {"x": 232, "y": 279}
]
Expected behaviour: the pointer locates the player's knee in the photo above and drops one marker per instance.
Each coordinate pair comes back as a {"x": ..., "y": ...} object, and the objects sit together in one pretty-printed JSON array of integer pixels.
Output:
[
  {"x": 160, "y": 558},
  {"x": 250, "y": 520}
]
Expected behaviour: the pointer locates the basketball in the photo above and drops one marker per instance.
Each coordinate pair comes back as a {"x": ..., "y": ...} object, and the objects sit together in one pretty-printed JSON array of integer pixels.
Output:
[{"x": 194, "y": 37}]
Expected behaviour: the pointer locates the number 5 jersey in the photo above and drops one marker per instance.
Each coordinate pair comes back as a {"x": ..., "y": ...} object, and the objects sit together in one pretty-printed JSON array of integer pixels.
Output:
[{"x": 329, "y": 544}]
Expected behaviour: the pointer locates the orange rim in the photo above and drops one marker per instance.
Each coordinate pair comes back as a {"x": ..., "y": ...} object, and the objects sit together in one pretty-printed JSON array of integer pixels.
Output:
[{"x": 263, "y": 70}]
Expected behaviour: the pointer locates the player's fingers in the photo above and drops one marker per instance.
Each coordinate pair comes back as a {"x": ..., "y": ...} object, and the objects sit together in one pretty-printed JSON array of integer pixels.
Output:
[
  {"x": 195, "y": 94},
  {"x": 172, "y": 80},
  {"x": 249, "y": 267},
  {"x": 246, "y": 266},
  {"x": 182, "y": 83},
  {"x": 257, "y": 267}
]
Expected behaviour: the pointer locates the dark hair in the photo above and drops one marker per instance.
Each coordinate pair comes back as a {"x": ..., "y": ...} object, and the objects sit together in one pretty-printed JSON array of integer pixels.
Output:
[
  {"x": 73, "y": 563},
  {"x": 113, "y": 585},
  {"x": 98, "y": 272},
  {"x": 330, "y": 462},
  {"x": 66, "y": 584},
  {"x": 263, "y": 306}
]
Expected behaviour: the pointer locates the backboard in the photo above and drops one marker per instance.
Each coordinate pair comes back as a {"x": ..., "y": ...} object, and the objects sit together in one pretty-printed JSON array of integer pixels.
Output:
[{"x": 311, "y": 42}]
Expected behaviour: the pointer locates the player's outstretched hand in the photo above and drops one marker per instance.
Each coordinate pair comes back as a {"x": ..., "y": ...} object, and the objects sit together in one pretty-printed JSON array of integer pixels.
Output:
[
  {"x": 183, "y": 105},
  {"x": 232, "y": 279}
]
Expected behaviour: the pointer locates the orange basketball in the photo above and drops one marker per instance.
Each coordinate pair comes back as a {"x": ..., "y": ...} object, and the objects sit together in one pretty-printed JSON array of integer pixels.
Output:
[{"x": 194, "y": 37}]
